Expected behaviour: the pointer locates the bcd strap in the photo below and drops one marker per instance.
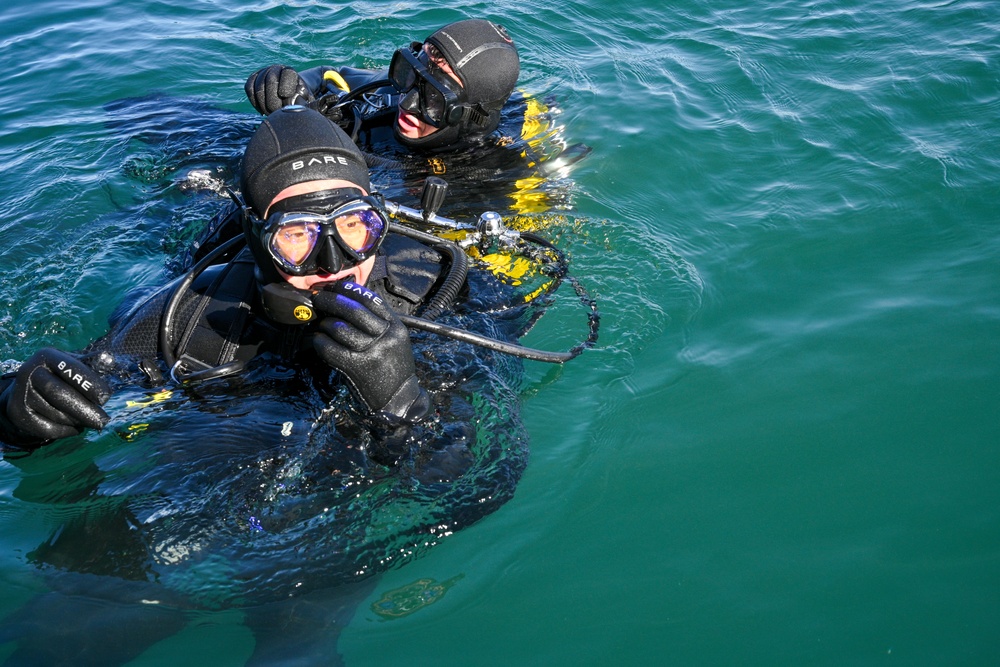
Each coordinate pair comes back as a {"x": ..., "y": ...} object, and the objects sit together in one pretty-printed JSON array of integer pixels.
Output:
[
  {"x": 478, "y": 116},
  {"x": 212, "y": 334}
]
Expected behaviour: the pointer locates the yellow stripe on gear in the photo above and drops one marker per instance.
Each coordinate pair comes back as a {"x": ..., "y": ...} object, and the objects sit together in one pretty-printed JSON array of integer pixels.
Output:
[
  {"x": 157, "y": 397},
  {"x": 334, "y": 77},
  {"x": 533, "y": 121},
  {"x": 512, "y": 266},
  {"x": 535, "y": 129},
  {"x": 527, "y": 196}
]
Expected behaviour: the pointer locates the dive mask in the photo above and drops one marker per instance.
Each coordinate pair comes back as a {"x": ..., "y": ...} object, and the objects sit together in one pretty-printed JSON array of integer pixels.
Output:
[
  {"x": 428, "y": 91},
  {"x": 302, "y": 243}
]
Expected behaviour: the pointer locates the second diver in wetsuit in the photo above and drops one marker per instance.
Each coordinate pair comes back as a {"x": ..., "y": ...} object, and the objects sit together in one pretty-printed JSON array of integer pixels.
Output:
[
  {"x": 450, "y": 104},
  {"x": 443, "y": 94}
]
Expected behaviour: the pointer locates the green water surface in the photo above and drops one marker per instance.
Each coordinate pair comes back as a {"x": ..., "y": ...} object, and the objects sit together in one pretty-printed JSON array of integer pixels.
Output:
[{"x": 785, "y": 449}]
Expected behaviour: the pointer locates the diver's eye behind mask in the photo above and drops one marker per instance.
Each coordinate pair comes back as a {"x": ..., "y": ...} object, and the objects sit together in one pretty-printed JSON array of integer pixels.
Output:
[
  {"x": 432, "y": 94},
  {"x": 303, "y": 243}
]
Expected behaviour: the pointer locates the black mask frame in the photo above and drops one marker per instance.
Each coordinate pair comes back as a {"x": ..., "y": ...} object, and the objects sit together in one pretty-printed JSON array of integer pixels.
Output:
[{"x": 439, "y": 101}]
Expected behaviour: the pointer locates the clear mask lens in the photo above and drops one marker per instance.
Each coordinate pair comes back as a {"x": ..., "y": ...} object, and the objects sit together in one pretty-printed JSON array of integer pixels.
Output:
[
  {"x": 294, "y": 243},
  {"x": 360, "y": 231}
]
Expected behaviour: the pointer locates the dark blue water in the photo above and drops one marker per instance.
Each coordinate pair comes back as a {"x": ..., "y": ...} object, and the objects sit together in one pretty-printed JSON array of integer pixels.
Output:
[{"x": 784, "y": 449}]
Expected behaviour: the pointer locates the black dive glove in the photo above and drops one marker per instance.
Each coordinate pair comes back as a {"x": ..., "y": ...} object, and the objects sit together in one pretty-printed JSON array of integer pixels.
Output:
[
  {"x": 362, "y": 338},
  {"x": 53, "y": 395},
  {"x": 274, "y": 87}
]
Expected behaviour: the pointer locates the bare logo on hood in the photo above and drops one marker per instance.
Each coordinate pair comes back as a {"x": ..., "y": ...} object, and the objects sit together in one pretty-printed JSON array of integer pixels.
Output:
[{"x": 324, "y": 159}]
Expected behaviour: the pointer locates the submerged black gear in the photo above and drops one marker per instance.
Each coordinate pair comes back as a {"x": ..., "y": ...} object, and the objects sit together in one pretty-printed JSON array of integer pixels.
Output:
[{"x": 484, "y": 58}]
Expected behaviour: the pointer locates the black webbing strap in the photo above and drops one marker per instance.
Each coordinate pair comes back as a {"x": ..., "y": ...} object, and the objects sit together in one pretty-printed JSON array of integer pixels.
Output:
[{"x": 212, "y": 334}]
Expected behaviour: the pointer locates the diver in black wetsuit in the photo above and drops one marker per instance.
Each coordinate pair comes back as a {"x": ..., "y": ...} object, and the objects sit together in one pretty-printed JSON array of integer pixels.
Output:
[
  {"x": 444, "y": 94},
  {"x": 311, "y": 228},
  {"x": 267, "y": 471},
  {"x": 448, "y": 102}
]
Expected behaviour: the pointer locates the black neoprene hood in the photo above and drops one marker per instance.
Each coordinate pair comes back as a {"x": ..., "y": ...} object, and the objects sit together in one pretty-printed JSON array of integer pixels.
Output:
[
  {"x": 485, "y": 59},
  {"x": 483, "y": 56},
  {"x": 293, "y": 145}
]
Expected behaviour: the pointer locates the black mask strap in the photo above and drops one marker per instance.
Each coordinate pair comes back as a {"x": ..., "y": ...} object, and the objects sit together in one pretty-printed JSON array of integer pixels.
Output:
[{"x": 322, "y": 201}]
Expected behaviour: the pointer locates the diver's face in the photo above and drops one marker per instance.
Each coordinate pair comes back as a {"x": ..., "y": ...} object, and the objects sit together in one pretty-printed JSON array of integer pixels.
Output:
[
  {"x": 410, "y": 126},
  {"x": 357, "y": 274}
]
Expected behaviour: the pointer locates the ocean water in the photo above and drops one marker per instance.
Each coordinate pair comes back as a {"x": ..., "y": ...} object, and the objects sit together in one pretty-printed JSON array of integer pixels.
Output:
[{"x": 785, "y": 448}]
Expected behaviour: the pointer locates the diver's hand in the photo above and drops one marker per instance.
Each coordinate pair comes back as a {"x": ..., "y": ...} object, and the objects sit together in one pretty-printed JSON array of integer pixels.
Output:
[
  {"x": 53, "y": 395},
  {"x": 362, "y": 338},
  {"x": 274, "y": 87}
]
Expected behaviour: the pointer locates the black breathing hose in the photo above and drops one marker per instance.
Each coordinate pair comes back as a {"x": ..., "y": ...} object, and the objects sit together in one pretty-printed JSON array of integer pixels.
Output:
[
  {"x": 446, "y": 295},
  {"x": 489, "y": 343}
]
